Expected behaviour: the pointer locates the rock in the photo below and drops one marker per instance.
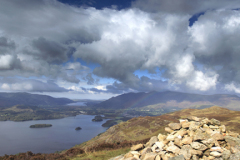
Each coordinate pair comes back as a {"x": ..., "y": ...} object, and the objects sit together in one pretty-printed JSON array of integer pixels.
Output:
[
  {"x": 169, "y": 130},
  {"x": 128, "y": 155},
  {"x": 234, "y": 149},
  {"x": 226, "y": 154},
  {"x": 183, "y": 121},
  {"x": 174, "y": 149},
  {"x": 153, "y": 140},
  {"x": 137, "y": 147},
  {"x": 131, "y": 158},
  {"x": 207, "y": 152},
  {"x": 202, "y": 139},
  {"x": 149, "y": 156},
  {"x": 194, "y": 126},
  {"x": 186, "y": 151},
  {"x": 215, "y": 122},
  {"x": 180, "y": 157},
  {"x": 170, "y": 137},
  {"x": 222, "y": 128},
  {"x": 193, "y": 118},
  {"x": 206, "y": 121},
  {"x": 182, "y": 133},
  {"x": 218, "y": 136},
  {"x": 198, "y": 146},
  {"x": 187, "y": 140},
  {"x": 185, "y": 125},
  {"x": 213, "y": 127},
  {"x": 217, "y": 149},
  {"x": 199, "y": 135},
  {"x": 195, "y": 157},
  {"x": 161, "y": 137},
  {"x": 146, "y": 150},
  {"x": 158, "y": 157},
  {"x": 175, "y": 126},
  {"x": 233, "y": 141},
  {"x": 177, "y": 142},
  {"x": 209, "y": 142},
  {"x": 215, "y": 154},
  {"x": 160, "y": 145},
  {"x": 154, "y": 147},
  {"x": 235, "y": 156},
  {"x": 196, "y": 152}
]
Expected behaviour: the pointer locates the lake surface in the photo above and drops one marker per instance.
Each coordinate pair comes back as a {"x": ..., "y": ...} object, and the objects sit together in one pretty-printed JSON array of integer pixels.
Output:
[
  {"x": 77, "y": 104},
  {"x": 16, "y": 137}
]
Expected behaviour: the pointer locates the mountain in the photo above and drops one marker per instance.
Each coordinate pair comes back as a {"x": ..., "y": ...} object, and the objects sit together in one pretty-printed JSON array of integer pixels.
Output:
[
  {"x": 12, "y": 99},
  {"x": 158, "y": 100}
]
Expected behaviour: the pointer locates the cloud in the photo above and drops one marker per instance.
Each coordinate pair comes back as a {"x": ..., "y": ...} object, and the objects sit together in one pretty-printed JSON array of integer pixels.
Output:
[
  {"x": 184, "y": 6},
  {"x": 49, "y": 51},
  {"x": 48, "y": 39},
  {"x": 30, "y": 85}
]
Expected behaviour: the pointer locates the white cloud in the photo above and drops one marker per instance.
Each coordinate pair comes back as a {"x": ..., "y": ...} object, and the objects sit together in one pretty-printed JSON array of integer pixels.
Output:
[
  {"x": 38, "y": 43},
  {"x": 202, "y": 82}
]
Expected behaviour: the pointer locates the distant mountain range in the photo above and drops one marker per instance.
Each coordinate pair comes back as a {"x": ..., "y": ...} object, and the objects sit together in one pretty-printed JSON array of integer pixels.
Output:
[
  {"x": 158, "y": 100},
  {"x": 11, "y": 99}
]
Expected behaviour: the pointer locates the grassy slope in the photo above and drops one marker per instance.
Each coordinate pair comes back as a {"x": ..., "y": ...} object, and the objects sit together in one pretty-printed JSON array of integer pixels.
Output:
[
  {"x": 102, "y": 155},
  {"x": 141, "y": 128}
]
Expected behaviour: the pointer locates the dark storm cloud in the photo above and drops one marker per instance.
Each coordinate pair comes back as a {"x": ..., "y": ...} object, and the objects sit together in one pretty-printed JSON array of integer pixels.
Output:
[
  {"x": 10, "y": 84},
  {"x": 6, "y": 44},
  {"x": 50, "y": 51},
  {"x": 184, "y": 6}
]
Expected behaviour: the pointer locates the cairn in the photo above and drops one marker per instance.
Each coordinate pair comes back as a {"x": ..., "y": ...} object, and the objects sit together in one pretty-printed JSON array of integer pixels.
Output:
[{"x": 191, "y": 139}]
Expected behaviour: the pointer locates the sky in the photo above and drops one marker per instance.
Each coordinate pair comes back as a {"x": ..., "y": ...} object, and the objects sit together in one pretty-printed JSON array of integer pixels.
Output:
[{"x": 87, "y": 49}]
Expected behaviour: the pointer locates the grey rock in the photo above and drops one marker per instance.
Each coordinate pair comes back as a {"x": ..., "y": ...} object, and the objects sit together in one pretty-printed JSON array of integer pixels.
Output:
[
  {"x": 186, "y": 151},
  {"x": 180, "y": 157},
  {"x": 233, "y": 141},
  {"x": 226, "y": 154},
  {"x": 198, "y": 146},
  {"x": 235, "y": 156},
  {"x": 215, "y": 122}
]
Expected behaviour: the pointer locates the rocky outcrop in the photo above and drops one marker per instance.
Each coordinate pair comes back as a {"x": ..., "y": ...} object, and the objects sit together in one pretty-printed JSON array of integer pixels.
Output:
[
  {"x": 97, "y": 119},
  {"x": 40, "y": 125},
  {"x": 191, "y": 139}
]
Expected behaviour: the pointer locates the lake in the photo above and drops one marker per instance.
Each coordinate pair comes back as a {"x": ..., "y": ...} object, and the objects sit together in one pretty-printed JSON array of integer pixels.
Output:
[
  {"x": 77, "y": 104},
  {"x": 16, "y": 137}
]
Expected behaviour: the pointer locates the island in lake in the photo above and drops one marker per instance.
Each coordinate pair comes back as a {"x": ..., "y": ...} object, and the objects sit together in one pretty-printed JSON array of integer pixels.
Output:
[
  {"x": 78, "y": 128},
  {"x": 97, "y": 119},
  {"x": 40, "y": 125}
]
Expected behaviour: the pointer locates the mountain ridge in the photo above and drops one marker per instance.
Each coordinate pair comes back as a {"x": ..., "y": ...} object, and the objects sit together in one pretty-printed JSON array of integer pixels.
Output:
[
  {"x": 23, "y": 98},
  {"x": 169, "y": 99}
]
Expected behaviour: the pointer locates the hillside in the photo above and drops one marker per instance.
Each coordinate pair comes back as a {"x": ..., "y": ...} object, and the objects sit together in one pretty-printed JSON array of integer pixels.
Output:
[
  {"x": 119, "y": 138},
  {"x": 142, "y": 128},
  {"x": 11, "y": 99},
  {"x": 168, "y": 99}
]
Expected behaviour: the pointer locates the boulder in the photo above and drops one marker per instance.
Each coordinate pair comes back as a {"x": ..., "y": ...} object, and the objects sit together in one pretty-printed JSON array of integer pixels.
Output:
[
  {"x": 180, "y": 157},
  {"x": 149, "y": 156},
  {"x": 198, "y": 146},
  {"x": 186, "y": 151},
  {"x": 137, "y": 147},
  {"x": 153, "y": 140},
  {"x": 175, "y": 126}
]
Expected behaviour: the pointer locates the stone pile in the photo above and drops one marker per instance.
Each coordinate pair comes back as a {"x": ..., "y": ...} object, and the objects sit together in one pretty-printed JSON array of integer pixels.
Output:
[{"x": 191, "y": 139}]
